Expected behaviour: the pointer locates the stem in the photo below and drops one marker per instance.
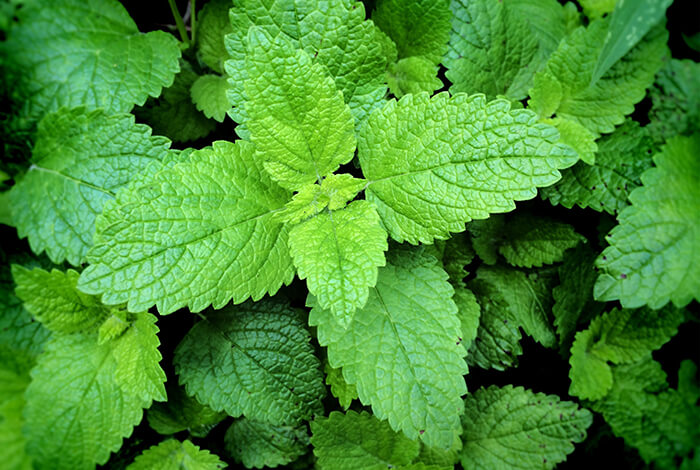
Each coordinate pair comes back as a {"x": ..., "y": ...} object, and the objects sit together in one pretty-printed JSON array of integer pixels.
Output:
[
  {"x": 178, "y": 21},
  {"x": 193, "y": 23}
]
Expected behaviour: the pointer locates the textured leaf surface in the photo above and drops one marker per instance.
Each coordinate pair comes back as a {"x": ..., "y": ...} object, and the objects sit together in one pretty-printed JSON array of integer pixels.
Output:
[
  {"x": 621, "y": 159},
  {"x": 208, "y": 94},
  {"x": 338, "y": 253},
  {"x": 254, "y": 359},
  {"x": 620, "y": 336},
  {"x": 577, "y": 137},
  {"x": 76, "y": 413},
  {"x": 413, "y": 75},
  {"x": 14, "y": 378},
  {"x": 80, "y": 159},
  {"x": 403, "y": 343},
  {"x": 675, "y": 100},
  {"x": 298, "y": 122},
  {"x": 258, "y": 444},
  {"x": 629, "y": 22},
  {"x": 174, "y": 114},
  {"x": 343, "y": 391},
  {"x": 335, "y": 34},
  {"x": 434, "y": 164},
  {"x": 491, "y": 50},
  {"x": 53, "y": 299},
  {"x": 549, "y": 22},
  {"x": 651, "y": 257},
  {"x": 469, "y": 312},
  {"x": 75, "y": 52},
  {"x": 176, "y": 455},
  {"x": 196, "y": 234},
  {"x": 516, "y": 428},
  {"x": 533, "y": 241},
  {"x": 212, "y": 25},
  {"x": 351, "y": 441},
  {"x": 564, "y": 86},
  {"x": 486, "y": 235},
  {"x": 182, "y": 412}
]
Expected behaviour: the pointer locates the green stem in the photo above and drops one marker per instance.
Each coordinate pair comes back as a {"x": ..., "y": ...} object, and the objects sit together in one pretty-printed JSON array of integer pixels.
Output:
[
  {"x": 178, "y": 21},
  {"x": 193, "y": 23}
]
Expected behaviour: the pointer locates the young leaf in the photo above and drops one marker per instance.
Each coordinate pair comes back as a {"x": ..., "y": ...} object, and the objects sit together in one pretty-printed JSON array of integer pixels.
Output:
[
  {"x": 621, "y": 159},
  {"x": 675, "y": 100},
  {"x": 577, "y": 137},
  {"x": 343, "y": 391},
  {"x": 595, "y": 9},
  {"x": 198, "y": 233},
  {"x": 53, "y": 299},
  {"x": 651, "y": 258},
  {"x": 80, "y": 159},
  {"x": 300, "y": 125},
  {"x": 491, "y": 50},
  {"x": 564, "y": 86},
  {"x": 182, "y": 413},
  {"x": 176, "y": 455},
  {"x": 350, "y": 441},
  {"x": 430, "y": 169},
  {"x": 403, "y": 342},
  {"x": 533, "y": 241},
  {"x": 516, "y": 428},
  {"x": 75, "y": 52},
  {"x": 212, "y": 25},
  {"x": 254, "y": 359},
  {"x": 629, "y": 23},
  {"x": 338, "y": 252},
  {"x": 258, "y": 444},
  {"x": 208, "y": 94},
  {"x": 413, "y": 75}
]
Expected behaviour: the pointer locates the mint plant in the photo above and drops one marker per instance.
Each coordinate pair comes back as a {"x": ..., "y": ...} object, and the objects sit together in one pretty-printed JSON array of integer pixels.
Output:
[{"x": 349, "y": 235}]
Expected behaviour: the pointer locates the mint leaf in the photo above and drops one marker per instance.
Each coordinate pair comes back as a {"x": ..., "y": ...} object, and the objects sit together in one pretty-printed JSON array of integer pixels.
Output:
[
  {"x": 595, "y": 9},
  {"x": 396, "y": 344},
  {"x": 298, "y": 121},
  {"x": 176, "y": 455},
  {"x": 516, "y": 428},
  {"x": 427, "y": 162},
  {"x": 72, "y": 53},
  {"x": 196, "y": 234},
  {"x": 577, "y": 137},
  {"x": 343, "y": 391},
  {"x": 621, "y": 159},
  {"x": 53, "y": 299},
  {"x": 212, "y": 25},
  {"x": 254, "y": 359},
  {"x": 486, "y": 236},
  {"x": 14, "y": 378},
  {"x": 533, "y": 241},
  {"x": 675, "y": 100},
  {"x": 182, "y": 413},
  {"x": 469, "y": 312},
  {"x": 491, "y": 50},
  {"x": 80, "y": 160},
  {"x": 208, "y": 94},
  {"x": 359, "y": 440},
  {"x": 629, "y": 22},
  {"x": 413, "y": 75},
  {"x": 549, "y": 22},
  {"x": 258, "y": 444},
  {"x": 658, "y": 233},
  {"x": 564, "y": 86},
  {"x": 338, "y": 252}
]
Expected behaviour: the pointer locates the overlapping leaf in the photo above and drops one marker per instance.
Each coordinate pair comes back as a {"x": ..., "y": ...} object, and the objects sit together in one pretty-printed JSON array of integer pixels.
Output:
[
  {"x": 435, "y": 163},
  {"x": 176, "y": 455},
  {"x": 675, "y": 100},
  {"x": 182, "y": 412},
  {"x": 258, "y": 444},
  {"x": 208, "y": 94}
]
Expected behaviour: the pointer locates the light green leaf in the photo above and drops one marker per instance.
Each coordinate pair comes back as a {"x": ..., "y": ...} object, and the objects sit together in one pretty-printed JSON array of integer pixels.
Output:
[
  {"x": 208, "y": 94},
  {"x": 435, "y": 163},
  {"x": 254, "y": 359},
  {"x": 76, "y": 52},
  {"x": 420, "y": 28},
  {"x": 53, "y": 299},
  {"x": 620, "y": 336},
  {"x": 258, "y": 444},
  {"x": 413, "y": 75},
  {"x": 338, "y": 252},
  {"x": 491, "y": 50},
  {"x": 182, "y": 413},
  {"x": 176, "y": 455},
  {"x": 573, "y": 297},
  {"x": 577, "y": 137},
  {"x": 595, "y": 9},
  {"x": 469, "y": 312},
  {"x": 403, "y": 342},
  {"x": 343, "y": 391},
  {"x": 334, "y": 34},
  {"x": 212, "y": 25},
  {"x": 174, "y": 114},
  {"x": 621, "y": 159},
  {"x": 341, "y": 188},
  {"x": 116, "y": 323},
  {"x": 651, "y": 258},
  {"x": 14, "y": 378},
  {"x": 80, "y": 159},
  {"x": 533, "y": 241},
  {"x": 76, "y": 413},
  {"x": 514, "y": 428},
  {"x": 298, "y": 121},
  {"x": 629, "y": 22},
  {"x": 675, "y": 100},
  {"x": 198, "y": 233},
  {"x": 549, "y": 22},
  {"x": 350, "y": 441},
  {"x": 600, "y": 106}
]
